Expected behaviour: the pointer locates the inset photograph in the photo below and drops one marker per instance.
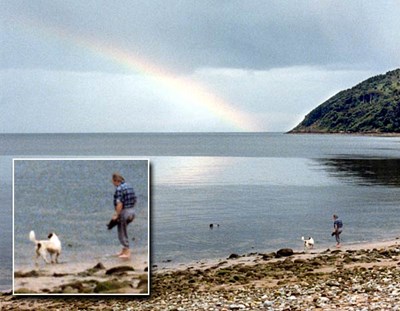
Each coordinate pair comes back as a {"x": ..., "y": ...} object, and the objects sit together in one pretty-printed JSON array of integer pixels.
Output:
[{"x": 81, "y": 226}]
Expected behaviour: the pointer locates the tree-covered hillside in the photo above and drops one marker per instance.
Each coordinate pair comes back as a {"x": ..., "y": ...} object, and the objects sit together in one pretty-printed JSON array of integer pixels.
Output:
[{"x": 373, "y": 106}]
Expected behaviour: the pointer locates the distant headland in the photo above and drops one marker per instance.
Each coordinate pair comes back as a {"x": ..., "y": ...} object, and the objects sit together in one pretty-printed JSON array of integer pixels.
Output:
[{"x": 370, "y": 107}]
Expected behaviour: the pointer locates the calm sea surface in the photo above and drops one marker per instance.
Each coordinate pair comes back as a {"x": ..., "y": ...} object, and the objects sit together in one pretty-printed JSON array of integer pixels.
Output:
[
  {"x": 74, "y": 198},
  {"x": 265, "y": 190}
]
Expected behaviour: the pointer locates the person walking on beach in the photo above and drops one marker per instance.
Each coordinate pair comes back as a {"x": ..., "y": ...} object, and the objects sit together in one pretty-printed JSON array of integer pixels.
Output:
[
  {"x": 124, "y": 201},
  {"x": 337, "y": 229}
]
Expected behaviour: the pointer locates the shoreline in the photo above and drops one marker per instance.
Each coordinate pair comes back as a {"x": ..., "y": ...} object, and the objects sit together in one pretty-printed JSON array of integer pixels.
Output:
[
  {"x": 205, "y": 263},
  {"x": 356, "y": 275},
  {"x": 372, "y": 134},
  {"x": 110, "y": 276}
]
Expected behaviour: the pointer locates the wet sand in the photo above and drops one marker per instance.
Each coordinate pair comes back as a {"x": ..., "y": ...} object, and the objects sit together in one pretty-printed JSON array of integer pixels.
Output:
[{"x": 112, "y": 276}]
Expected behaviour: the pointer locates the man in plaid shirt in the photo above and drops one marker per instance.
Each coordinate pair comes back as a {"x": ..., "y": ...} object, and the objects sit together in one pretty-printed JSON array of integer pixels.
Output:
[
  {"x": 337, "y": 229},
  {"x": 124, "y": 201}
]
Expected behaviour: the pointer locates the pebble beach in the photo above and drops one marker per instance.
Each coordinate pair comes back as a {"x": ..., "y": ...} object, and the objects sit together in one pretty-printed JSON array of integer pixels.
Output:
[{"x": 356, "y": 277}]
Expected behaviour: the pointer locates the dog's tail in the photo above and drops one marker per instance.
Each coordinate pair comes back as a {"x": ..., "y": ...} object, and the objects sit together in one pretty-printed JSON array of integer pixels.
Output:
[{"x": 32, "y": 236}]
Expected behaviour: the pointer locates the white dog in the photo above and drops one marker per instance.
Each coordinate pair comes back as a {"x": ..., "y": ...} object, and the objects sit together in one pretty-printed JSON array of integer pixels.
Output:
[
  {"x": 308, "y": 243},
  {"x": 52, "y": 246}
]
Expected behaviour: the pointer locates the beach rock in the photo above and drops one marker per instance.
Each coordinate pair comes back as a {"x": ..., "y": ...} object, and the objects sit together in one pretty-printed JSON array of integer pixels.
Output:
[
  {"x": 385, "y": 253},
  {"x": 110, "y": 286},
  {"x": 236, "y": 307},
  {"x": 119, "y": 269},
  {"x": 233, "y": 256},
  {"x": 99, "y": 266},
  {"x": 143, "y": 285},
  {"x": 268, "y": 256},
  {"x": 235, "y": 278},
  {"x": 75, "y": 286},
  {"x": 284, "y": 252},
  {"x": 24, "y": 290},
  {"x": 60, "y": 275},
  {"x": 6, "y": 293},
  {"x": 33, "y": 273},
  {"x": 91, "y": 271},
  {"x": 70, "y": 290}
]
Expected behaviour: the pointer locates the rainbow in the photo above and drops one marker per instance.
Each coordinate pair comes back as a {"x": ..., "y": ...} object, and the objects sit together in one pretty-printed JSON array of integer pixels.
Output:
[{"x": 191, "y": 92}]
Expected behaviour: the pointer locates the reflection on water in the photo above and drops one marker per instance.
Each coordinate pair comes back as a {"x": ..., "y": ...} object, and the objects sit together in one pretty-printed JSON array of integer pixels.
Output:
[
  {"x": 195, "y": 171},
  {"x": 384, "y": 172}
]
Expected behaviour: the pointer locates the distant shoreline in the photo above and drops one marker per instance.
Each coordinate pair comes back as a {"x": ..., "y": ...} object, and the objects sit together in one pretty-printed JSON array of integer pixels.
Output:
[{"x": 373, "y": 134}]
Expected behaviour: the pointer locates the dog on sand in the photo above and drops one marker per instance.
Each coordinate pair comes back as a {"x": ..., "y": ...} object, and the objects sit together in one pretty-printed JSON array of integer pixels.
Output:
[
  {"x": 52, "y": 246},
  {"x": 308, "y": 243}
]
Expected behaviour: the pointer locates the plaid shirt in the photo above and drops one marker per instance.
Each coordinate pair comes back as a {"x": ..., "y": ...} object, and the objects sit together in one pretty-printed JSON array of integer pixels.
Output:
[
  {"x": 338, "y": 224},
  {"x": 125, "y": 194}
]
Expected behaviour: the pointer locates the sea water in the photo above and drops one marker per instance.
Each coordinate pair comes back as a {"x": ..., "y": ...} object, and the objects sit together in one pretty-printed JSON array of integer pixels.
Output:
[
  {"x": 74, "y": 198},
  {"x": 261, "y": 191}
]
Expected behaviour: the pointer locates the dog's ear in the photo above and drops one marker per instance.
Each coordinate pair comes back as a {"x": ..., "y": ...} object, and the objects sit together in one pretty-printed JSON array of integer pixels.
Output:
[{"x": 50, "y": 235}]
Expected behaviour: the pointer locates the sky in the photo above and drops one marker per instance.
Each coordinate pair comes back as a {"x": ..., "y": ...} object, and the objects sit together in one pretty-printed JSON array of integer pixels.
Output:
[{"x": 182, "y": 65}]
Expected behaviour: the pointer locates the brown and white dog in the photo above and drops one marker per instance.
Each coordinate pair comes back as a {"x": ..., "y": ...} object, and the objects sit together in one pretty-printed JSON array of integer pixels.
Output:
[{"x": 52, "y": 246}]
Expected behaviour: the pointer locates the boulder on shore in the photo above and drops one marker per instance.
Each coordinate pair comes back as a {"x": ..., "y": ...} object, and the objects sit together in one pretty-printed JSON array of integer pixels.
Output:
[{"x": 284, "y": 252}]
